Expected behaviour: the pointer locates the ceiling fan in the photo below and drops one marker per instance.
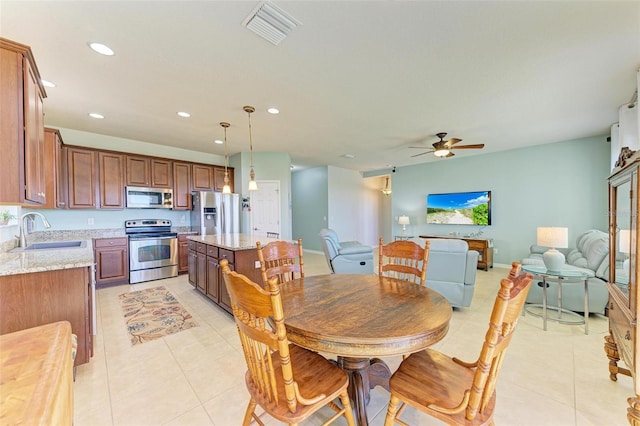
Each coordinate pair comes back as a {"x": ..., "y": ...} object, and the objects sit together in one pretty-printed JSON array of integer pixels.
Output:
[{"x": 443, "y": 148}]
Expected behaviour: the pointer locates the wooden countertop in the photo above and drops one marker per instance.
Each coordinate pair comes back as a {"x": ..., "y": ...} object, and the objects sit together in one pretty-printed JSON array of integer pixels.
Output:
[
  {"x": 232, "y": 241},
  {"x": 36, "y": 376}
]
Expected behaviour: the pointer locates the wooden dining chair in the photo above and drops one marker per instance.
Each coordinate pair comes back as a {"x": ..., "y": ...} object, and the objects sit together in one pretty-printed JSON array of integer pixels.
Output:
[
  {"x": 404, "y": 260},
  {"x": 289, "y": 383},
  {"x": 452, "y": 390},
  {"x": 282, "y": 260}
]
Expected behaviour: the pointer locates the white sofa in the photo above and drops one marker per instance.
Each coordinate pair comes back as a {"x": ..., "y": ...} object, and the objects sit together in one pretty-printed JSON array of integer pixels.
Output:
[{"x": 591, "y": 253}]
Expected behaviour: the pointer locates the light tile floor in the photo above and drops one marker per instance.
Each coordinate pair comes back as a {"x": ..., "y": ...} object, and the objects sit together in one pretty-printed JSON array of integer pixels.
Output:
[{"x": 195, "y": 377}]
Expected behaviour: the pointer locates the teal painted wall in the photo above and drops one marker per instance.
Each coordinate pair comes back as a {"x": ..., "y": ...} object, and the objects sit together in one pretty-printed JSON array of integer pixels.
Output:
[
  {"x": 309, "y": 205},
  {"x": 559, "y": 184},
  {"x": 269, "y": 166}
]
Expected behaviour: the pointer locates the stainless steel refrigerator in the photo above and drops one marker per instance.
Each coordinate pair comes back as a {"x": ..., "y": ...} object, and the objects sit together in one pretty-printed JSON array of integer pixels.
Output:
[{"x": 215, "y": 213}]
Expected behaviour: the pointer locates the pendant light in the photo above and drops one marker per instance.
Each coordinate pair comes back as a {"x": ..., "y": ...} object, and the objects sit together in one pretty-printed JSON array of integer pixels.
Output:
[
  {"x": 226, "y": 189},
  {"x": 386, "y": 190},
  {"x": 253, "y": 186}
]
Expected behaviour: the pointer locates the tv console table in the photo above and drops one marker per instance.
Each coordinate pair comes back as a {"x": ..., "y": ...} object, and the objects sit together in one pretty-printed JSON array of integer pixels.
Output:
[{"x": 484, "y": 246}]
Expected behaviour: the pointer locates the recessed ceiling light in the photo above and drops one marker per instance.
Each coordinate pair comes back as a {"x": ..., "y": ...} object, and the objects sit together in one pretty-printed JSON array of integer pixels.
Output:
[
  {"x": 184, "y": 114},
  {"x": 273, "y": 110},
  {"x": 95, "y": 115},
  {"x": 218, "y": 141},
  {"x": 47, "y": 83},
  {"x": 103, "y": 49},
  {"x": 349, "y": 156}
]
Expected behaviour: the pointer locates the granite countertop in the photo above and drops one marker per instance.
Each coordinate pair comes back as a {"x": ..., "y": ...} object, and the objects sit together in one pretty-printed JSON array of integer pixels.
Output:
[
  {"x": 232, "y": 241},
  {"x": 46, "y": 260}
]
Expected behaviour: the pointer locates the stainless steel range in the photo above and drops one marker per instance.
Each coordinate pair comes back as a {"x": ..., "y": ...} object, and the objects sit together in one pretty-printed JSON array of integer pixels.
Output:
[{"x": 153, "y": 250}]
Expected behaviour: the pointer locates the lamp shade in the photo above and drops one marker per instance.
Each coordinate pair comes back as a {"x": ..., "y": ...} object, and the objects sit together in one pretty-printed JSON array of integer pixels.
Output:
[
  {"x": 404, "y": 220},
  {"x": 555, "y": 237},
  {"x": 624, "y": 241}
]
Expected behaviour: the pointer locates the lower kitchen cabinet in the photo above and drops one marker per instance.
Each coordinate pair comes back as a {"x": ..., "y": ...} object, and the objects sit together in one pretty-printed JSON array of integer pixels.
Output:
[
  {"x": 193, "y": 263},
  {"x": 183, "y": 254},
  {"x": 38, "y": 298},
  {"x": 112, "y": 260},
  {"x": 205, "y": 272}
]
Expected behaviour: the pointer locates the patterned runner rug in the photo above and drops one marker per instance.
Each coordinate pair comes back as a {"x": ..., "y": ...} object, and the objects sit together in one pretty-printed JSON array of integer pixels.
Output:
[{"x": 153, "y": 313}]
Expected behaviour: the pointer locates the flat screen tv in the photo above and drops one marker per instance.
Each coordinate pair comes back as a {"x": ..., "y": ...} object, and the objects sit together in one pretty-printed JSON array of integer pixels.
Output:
[{"x": 460, "y": 208}]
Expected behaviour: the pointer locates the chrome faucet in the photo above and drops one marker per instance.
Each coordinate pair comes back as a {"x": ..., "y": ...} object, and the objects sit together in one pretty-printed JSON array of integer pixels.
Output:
[{"x": 23, "y": 234}]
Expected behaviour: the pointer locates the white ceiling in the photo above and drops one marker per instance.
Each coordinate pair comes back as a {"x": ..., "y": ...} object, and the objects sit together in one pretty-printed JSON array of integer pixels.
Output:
[{"x": 357, "y": 77}]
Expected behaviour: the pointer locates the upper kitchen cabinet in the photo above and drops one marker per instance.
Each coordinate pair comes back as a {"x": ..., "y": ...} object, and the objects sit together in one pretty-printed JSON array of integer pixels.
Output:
[
  {"x": 138, "y": 171},
  {"x": 202, "y": 176},
  {"x": 111, "y": 172},
  {"x": 149, "y": 172},
  {"x": 82, "y": 178},
  {"x": 161, "y": 173},
  {"x": 52, "y": 151},
  {"x": 21, "y": 126},
  {"x": 181, "y": 185}
]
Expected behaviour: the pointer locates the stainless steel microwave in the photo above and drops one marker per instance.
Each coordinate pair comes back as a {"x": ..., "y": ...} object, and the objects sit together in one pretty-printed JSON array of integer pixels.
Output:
[{"x": 149, "y": 198}]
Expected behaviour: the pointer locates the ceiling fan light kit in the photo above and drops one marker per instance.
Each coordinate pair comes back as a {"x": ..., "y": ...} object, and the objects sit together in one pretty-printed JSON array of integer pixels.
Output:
[{"x": 442, "y": 148}]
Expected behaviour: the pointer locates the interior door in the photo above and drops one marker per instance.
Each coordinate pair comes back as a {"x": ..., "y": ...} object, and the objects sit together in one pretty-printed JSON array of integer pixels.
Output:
[{"x": 265, "y": 208}]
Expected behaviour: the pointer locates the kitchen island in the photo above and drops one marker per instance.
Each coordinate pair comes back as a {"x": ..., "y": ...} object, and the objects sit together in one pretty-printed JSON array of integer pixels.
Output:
[
  {"x": 205, "y": 253},
  {"x": 45, "y": 286}
]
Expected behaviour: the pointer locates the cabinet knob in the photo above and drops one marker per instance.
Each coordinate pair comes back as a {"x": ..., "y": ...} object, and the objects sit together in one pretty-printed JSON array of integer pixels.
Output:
[
  {"x": 611, "y": 306},
  {"x": 627, "y": 336}
]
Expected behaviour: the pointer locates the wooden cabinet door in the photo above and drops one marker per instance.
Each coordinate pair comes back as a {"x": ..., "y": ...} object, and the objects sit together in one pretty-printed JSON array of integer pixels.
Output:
[
  {"x": 193, "y": 267},
  {"x": 213, "y": 278},
  {"x": 183, "y": 254},
  {"x": 33, "y": 137},
  {"x": 224, "y": 299},
  {"x": 112, "y": 260},
  {"x": 51, "y": 159},
  {"x": 111, "y": 170},
  {"x": 81, "y": 176},
  {"x": 161, "y": 173},
  {"x": 138, "y": 171},
  {"x": 60, "y": 161},
  {"x": 201, "y": 277},
  {"x": 202, "y": 177},
  {"x": 181, "y": 186}
]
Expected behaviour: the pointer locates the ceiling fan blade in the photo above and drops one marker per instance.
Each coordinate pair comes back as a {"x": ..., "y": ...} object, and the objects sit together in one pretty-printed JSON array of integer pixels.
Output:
[
  {"x": 452, "y": 141},
  {"x": 420, "y": 147},
  {"x": 476, "y": 146},
  {"x": 422, "y": 153}
]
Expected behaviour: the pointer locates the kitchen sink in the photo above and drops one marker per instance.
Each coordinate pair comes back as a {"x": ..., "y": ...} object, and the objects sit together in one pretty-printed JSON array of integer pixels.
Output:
[{"x": 53, "y": 245}]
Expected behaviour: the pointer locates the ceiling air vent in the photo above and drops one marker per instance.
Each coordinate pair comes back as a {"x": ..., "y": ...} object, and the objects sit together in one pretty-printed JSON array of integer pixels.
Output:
[{"x": 270, "y": 22}]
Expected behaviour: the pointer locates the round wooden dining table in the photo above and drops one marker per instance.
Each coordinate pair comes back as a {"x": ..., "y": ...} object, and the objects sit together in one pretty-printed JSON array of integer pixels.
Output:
[{"x": 359, "y": 318}]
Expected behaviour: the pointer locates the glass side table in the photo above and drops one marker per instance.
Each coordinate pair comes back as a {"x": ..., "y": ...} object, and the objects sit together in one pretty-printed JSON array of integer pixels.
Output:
[
  {"x": 566, "y": 275},
  {"x": 403, "y": 237}
]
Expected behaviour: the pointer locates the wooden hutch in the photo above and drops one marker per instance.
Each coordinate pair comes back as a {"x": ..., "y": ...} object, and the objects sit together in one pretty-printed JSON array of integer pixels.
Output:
[{"x": 624, "y": 275}]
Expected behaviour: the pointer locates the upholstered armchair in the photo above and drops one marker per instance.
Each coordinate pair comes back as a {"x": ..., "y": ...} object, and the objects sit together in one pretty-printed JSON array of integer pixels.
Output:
[
  {"x": 346, "y": 257},
  {"x": 451, "y": 270}
]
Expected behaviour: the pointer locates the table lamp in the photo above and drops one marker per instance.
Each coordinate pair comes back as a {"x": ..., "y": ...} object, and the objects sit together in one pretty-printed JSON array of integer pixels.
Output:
[
  {"x": 554, "y": 237},
  {"x": 404, "y": 221},
  {"x": 624, "y": 246}
]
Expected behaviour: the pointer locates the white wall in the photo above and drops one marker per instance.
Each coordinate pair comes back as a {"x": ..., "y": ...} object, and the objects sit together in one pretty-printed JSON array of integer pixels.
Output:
[
  {"x": 353, "y": 206},
  {"x": 94, "y": 140}
]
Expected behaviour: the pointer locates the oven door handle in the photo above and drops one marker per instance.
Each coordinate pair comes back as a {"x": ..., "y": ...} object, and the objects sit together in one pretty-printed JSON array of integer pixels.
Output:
[{"x": 151, "y": 238}]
